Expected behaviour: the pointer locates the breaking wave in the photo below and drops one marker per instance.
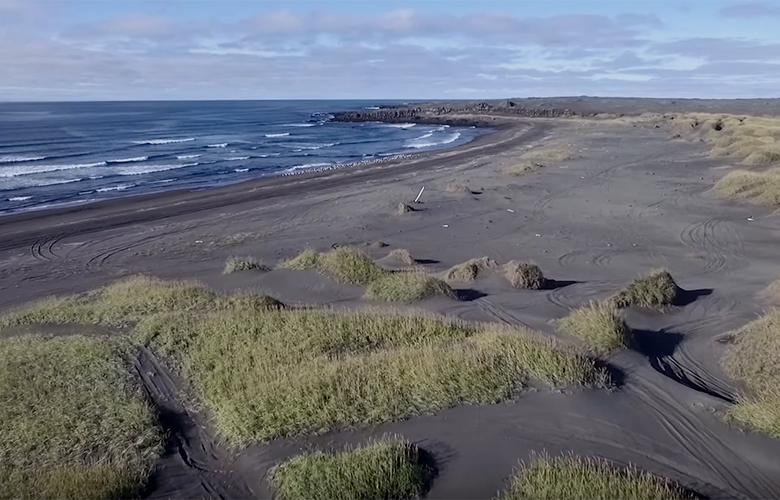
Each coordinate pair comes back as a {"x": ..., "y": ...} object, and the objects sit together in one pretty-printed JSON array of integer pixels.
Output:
[{"x": 157, "y": 142}]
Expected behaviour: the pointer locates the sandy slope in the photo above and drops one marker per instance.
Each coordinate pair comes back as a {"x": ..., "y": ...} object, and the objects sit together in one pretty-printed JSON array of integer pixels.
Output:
[{"x": 634, "y": 199}]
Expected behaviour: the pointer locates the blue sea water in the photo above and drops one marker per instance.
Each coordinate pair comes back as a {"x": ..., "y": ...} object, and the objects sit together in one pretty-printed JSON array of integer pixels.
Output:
[{"x": 54, "y": 154}]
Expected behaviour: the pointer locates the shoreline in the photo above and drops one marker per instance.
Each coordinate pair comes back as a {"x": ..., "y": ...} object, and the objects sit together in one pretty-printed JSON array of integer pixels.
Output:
[{"x": 24, "y": 228}]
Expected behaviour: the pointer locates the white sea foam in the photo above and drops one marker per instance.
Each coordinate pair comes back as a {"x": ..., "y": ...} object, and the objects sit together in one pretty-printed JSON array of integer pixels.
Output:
[
  {"x": 237, "y": 158},
  {"x": 424, "y": 136},
  {"x": 148, "y": 169},
  {"x": 278, "y": 135},
  {"x": 307, "y": 165},
  {"x": 120, "y": 187},
  {"x": 222, "y": 145},
  {"x": 242, "y": 170},
  {"x": 20, "y": 198},
  {"x": 157, "y": 142},
  {"x": 299, "y": 125},
  {"x": 400, "y": 125},
  {"x": 451, "y": 138},
  {"x": 187, "y": 157},
  {"x": 371, "y": 107},
  {"x": 129, "y": 160},
  {"x": 19, "y": 159},
  {"x": 39, "y": 169}
]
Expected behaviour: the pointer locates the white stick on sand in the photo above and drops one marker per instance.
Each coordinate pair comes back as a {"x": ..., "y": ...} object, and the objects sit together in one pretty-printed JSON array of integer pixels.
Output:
[{"x": 418, "y": 196}]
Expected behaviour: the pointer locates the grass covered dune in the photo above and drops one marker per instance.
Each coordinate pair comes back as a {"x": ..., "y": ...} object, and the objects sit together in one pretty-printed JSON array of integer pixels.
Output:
[
  {"x": 71, "y": 424},
  {"x": 265, "y": 371}
]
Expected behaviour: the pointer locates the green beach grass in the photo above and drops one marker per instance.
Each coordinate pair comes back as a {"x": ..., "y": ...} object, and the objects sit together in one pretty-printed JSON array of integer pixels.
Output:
[
  {"x": 71, "y": 424},
  {"x": 388, "y": 468},
  {"x": 600, "y": 325},
  {"x": 754, "y": 357},
  {"x": 655, "y": 289},
  {"x": 574, "y": 478},
  {"x": 407, "y": 286}
]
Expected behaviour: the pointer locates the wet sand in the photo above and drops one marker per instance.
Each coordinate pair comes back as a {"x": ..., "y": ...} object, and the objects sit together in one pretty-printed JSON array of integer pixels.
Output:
[{"x": 632, "y": 200}]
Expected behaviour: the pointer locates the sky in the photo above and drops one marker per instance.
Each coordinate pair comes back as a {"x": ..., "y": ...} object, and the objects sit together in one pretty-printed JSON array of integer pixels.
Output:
[{"x": 73, "y": 50}]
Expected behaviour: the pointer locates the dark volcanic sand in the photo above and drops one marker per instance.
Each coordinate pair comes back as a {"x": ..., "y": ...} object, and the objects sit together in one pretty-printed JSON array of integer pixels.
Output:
[{"x": 634, "y": 199}]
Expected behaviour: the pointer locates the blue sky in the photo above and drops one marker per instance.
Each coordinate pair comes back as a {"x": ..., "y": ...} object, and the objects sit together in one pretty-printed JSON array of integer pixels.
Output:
[{"x": 365, "y": 49}]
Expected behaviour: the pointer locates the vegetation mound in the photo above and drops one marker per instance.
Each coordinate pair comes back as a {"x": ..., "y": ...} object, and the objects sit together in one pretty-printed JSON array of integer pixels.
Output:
[
  {"x": 524, "y": 275},
  {"x": 762, "y": 188},
  {"x": 575, "y": 478},
  {"x": 402, "y": 255},
  {"x": 655, "y": 289},
  {"x": 237, "y": 264},
  {"x": 389, "y": 468},
  {"x": 468, "y": 271},
  {"x": 126, "y": 302},
  {"x": 754, "y": 357},
  {"x": 71, "y": 424},
  {"x": 600, "y": 325},
  {"x": 347, "y": 265},
  {"x": 407, "y": 287}
]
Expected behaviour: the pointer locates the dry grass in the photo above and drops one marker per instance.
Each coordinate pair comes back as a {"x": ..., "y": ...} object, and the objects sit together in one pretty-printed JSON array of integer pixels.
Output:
[
  {"x": 407, "y": 287},
  {"x": 71, "y": 424},
  {"x": 403, "y": 209},
  {"x": 549, "y": 153},
  {"x": 523, "y": 167},
  {"x": 524, "y": 275},
  {"x": 762, "y": 188},
  {"x": 772, "y": 293},
  {"x": 402, "y": 255},
  {"x": 388, "y": 468},
  {"x": 344, "y": 264},
  {"x": 600, "y": 325},
  {"x": 271, "y": 373},
  {"x": 468, "y": 271},
  {"x": 126, "y": 302},
  {"x": 237, "y": 264},
  {"x": 575, "y": 478},
  {"x": 456, "y": 187},
  {"x": 754, "y": 357},
  {"x": 655, "y": 289}
]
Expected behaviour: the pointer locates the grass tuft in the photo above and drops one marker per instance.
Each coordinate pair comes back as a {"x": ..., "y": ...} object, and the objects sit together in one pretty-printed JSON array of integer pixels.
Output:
[
  {"x": 655, "y": 289},
  {"x": 456, "y": 187},
  {"x": 305, "y": 260},
  {"x": 347, "y": 265},
  {"x": 524, "y": 275},
  {"x": 407, "y": 287},
  {"x": 71, "y": 424},
  {"x": 389, "y": 468},
  {"x": 468, "y": 271},
  {"x": 600, "y": 325},
  {"x": 762, "y": 188},
  {"x": 402, "y": 255},
  {"x": 523, "y": 167},
  {"x": 754, "y": 357},
  {"x": 237, "y": 264},
  {"x": 575, "y": 478}
]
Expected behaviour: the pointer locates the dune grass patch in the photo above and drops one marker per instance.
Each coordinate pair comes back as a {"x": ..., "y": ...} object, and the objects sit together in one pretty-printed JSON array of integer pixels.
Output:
[
  {"x": 575, "y": 478},
  {"x": 549, "y": 153},
  {"x": 656, "y": 289},
  {"x": 468, "y": 271},
  {"x": 71, "y": 424},
  {"x": 344, "y": 264},
  {"x": 754, "y": 140},
  {"x": 754, "y": 357},
  {"x": 523, "y": 167},
  {"x": 762, "y": 188},
  {"x": 772, "y": 293},
  {"x": 276, "y": 372},
  {"x": 524, "y": 275},
  {"x": 599, "y": 324},
  {"x": 407, "y": 286},
  {"x": 388, "y": 468},
  {"x": 402, "y": 255},
  {"x": 457, "y": 187},
  {"x": 128, "y": 301},
  {"x": 238, "y": 264}
]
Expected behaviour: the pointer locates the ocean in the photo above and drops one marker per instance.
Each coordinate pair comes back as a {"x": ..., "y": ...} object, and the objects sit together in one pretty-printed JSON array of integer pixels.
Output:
[{"x": 55, "y": 154}]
